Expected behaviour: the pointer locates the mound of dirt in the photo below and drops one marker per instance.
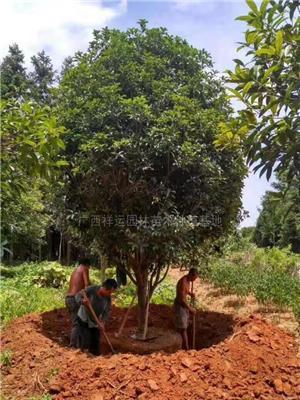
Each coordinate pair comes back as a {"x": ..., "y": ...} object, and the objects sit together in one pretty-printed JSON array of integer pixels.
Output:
[{"x": 239, "y": 359}]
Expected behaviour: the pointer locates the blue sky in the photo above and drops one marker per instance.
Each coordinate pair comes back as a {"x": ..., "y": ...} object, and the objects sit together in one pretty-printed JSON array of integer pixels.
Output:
[{"x": 62, "y": 27}]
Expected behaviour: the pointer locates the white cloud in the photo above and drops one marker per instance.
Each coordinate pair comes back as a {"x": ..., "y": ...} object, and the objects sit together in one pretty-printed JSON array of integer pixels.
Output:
[
  {"x": 208, "y": 5},
  {"x": 61, "y": 27}
]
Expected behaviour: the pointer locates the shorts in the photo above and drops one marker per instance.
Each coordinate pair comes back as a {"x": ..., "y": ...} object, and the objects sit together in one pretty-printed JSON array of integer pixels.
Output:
[{"x": 181, "y": 316}]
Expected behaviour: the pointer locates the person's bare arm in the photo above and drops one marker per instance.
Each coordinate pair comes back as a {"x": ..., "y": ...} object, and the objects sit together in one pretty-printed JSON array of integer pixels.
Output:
[{"x": 86, "y": 277}]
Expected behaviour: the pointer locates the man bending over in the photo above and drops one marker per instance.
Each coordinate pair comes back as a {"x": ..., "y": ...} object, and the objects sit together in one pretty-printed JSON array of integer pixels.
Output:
[{"x": 88, "y": 334}]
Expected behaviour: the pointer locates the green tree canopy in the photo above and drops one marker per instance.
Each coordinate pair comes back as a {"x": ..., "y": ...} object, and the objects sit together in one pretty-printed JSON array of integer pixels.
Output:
[
  {"x": 142, "y": 109},
  {"x": 278, "y": 223},
  {"x": 42, "y": 78},
  {"x": 267, "y": 84},
  {"x": 14, "y": 80},
  {"x": 31, "y": 143},
  {"x": 30, "y": 158}
]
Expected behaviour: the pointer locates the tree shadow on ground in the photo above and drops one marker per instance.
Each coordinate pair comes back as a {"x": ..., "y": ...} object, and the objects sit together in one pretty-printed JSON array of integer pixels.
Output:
[{"x": 211, "y": 327}]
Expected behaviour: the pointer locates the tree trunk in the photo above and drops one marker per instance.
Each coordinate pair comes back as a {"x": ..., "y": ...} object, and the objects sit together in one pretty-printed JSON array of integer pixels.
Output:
[
  {"x": 40, "y": 252},
  {"x": 69, "y": 252},
  {"x": 60, "y": 248},
  {"x": 103, "y": 265},
  {"x": 11, "y": 251},
  {"x": 142, "y": 293},
  {"x": 50, "y": 244}
]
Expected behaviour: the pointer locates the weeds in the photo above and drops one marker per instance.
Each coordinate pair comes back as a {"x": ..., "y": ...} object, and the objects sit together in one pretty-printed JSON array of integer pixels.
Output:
[
  {"x": 271, "y": 275},
  {"x": 52, "y": 373},
  {"x": 6, "y": 357},
  {"x": 46, "y": 396},
  {"x": 269, "y": 284},
  {"x": 17, "y": 300}
]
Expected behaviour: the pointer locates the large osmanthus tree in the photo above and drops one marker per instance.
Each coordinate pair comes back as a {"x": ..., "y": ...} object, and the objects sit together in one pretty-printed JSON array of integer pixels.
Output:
[{"x": 142, "y": 109}]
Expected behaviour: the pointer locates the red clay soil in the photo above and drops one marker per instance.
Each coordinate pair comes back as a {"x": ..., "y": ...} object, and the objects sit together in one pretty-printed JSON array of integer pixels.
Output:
[{"x": 237, "y": 359}]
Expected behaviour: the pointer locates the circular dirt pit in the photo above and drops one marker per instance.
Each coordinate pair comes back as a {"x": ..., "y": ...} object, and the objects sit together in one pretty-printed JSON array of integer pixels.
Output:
[{"x": 157, "y": 340}]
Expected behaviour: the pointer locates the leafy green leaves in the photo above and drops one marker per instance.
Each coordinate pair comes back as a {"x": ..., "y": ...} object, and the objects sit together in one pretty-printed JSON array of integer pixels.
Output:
[
  {"x": 279, "y": 220},
  {"x": 30, "y": 160},
  {"x": 267, "y": 86},
  {"x": 31, "y": 143},
  {"x": 141, "y": 109},
  {"x": 253, "y": 6}
]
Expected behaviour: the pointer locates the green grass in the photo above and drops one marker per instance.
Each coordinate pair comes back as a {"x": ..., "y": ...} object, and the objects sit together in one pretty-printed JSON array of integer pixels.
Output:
[
  {"x": 269, "y": 285},
  {"x": 23, "y": 291},
  {"x": 6, "y": 358},
  {"x": 268, "y": 274},
  {"x": 164, "y": 294},
  {"x": 16, "y": 300}
]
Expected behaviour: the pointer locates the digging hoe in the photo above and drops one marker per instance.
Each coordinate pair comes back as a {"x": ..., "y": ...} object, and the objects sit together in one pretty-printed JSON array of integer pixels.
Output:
[{"x": 125, "y": 317}]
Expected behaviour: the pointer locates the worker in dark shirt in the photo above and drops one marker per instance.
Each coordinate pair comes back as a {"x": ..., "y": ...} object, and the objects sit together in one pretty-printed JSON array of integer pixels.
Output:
[{"x": 88, "y": 334}]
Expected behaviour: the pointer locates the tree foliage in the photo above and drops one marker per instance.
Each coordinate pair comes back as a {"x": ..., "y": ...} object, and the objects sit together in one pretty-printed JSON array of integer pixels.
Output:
[
  {"x": 279, "y": 221},
  {"x": 41, "y": 78},
  {"x": 17, "y": 83},
  {"x": 141, "y": 109},
  {"x": 268, "y": 87},
  {"x": 14, "y": 79},
  {"x": 31, "y": 143}
]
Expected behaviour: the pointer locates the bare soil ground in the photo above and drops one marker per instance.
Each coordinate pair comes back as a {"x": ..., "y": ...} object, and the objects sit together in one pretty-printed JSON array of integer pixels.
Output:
[
  {"x": 237, "y": 358},
  {"x": 211, "y": 298}
]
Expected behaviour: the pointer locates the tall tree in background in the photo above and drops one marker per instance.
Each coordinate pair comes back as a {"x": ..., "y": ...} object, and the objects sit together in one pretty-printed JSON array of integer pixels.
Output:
[
  {"x": 42, "y": 78},
  {"x": 30, "y": 143},
  {"x": 278, "y": 223},
  {"x": 14, "y": 80},
  {"x": 145, "y": 181},
  {"x": 66, "y": 65},
  {"x": 268, "y": 85}
]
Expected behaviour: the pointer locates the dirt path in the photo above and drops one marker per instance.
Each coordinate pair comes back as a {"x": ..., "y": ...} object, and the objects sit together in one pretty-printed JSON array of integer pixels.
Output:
[{"x": 240, "y": 358}]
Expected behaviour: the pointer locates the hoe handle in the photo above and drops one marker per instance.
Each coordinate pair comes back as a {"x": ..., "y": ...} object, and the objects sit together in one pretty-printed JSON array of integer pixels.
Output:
[
  {"x": 125, "y": 317},
  {"x": 194, "y": 319}
]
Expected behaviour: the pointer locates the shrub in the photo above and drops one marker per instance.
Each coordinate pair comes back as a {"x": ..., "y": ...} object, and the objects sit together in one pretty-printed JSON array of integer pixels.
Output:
[
  {"x": 50, "y": 275},
  {"x": 269, "y": 282},
  {"x": 45, "y": 274},
  {"x": 275, "y": 259},
  {"x": 7, "y": 272}
]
